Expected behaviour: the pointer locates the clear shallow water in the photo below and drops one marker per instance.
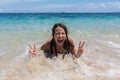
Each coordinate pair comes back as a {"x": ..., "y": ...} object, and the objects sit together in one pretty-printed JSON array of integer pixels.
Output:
[{"x": 100, "y": 31}]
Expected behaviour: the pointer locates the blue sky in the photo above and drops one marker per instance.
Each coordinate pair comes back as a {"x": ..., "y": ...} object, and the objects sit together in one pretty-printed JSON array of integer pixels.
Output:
[{"x": 7, "y": 6}]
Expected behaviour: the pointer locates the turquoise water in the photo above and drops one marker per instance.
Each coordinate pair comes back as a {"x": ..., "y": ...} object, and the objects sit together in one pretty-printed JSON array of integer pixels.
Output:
[
  {"x": 30, "y": 27},
  {"x": 100, "y": 31},
  {"x": 34, "y": 26},
  {"x": 39, "y": 21}
]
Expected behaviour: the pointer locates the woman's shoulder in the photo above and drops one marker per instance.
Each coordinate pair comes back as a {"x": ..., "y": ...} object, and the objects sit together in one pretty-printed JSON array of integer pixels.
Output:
[
  {"x": 46, "y": 45},
  {"x": 49, "y": 41},
  {"x": 71, "y": 41}
]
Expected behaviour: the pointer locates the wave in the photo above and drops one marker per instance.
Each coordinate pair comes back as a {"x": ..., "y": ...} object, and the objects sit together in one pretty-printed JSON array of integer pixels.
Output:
[
  {"x": 114, "y": 45},
  {"x": 97, "y": 63}
]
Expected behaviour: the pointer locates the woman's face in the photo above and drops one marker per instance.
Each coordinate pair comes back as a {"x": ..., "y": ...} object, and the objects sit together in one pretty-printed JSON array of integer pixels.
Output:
[{"x": 59, "y": 36}]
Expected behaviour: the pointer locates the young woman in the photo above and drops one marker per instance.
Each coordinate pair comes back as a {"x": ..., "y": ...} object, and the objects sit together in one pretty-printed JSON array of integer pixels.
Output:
[{"x": 60, "y": 43}]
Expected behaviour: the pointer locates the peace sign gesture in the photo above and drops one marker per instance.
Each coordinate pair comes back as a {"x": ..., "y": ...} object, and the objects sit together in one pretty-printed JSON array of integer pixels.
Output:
[
  {"x": 33, "y": 50},
  {"x": 80, "y": 48}
]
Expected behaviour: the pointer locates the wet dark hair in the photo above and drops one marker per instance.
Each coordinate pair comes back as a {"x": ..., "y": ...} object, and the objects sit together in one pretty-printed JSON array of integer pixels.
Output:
[{"x": 66, "y": 44}]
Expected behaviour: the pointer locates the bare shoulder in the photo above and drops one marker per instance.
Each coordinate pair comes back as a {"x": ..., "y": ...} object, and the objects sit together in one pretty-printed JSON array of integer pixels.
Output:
[
  {"x": 71, "y": 40},
  {"x": 72, "y": 48},
  {"x": 46, "y": 46}
]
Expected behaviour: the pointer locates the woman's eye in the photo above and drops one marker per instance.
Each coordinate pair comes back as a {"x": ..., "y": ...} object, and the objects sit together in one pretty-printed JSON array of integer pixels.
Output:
[
  {"x": 57, "y": 33},
  {"x": 60, "y": 33},
  {"x": 63, "y": 33}
]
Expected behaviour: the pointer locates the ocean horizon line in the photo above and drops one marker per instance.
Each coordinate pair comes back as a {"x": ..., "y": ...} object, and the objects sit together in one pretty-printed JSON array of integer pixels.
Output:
[{"x": 57, "y": 12}]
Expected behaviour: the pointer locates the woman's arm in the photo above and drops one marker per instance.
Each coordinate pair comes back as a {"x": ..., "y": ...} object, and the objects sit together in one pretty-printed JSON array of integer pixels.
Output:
[
  {"x": 72, "y": 47},
  {"x": 46, "y": 45}
]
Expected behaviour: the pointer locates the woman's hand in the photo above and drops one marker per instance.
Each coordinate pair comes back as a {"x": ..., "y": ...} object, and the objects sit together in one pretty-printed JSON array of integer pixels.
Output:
[
  {"x": 32, "y": 50},
  {"x": 80, "y": 49}
]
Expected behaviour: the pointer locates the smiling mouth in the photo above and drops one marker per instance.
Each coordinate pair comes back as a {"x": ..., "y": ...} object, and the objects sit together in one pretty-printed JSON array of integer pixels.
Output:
[{"x": 60, "y": 41}]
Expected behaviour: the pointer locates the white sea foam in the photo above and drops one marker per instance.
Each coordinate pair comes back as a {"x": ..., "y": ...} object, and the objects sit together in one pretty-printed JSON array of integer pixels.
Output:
[
  {"x": 113, "y": 73},
  {"x": 114, "y": 45},
  {"x": 2, "y": 74},
  {"x": 1, "y": 53},
  {"x": 90, "y": 66},
  {"x": 26, "y": 51}
]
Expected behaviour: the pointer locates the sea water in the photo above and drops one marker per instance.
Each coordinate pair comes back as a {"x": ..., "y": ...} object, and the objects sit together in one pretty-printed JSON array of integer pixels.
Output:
[{"x": 101, "y": 58}]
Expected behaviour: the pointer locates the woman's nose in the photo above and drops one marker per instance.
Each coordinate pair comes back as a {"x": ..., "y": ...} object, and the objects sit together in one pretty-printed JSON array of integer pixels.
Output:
[{"x": 60, "y": 35}]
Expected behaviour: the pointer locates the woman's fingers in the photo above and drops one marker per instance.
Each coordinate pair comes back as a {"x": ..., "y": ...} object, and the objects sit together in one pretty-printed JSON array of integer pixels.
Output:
[
  {"x": 34, "y": 46},
  {"x": 81, "y": 44},
  {"x": 80, "y": 48},
  {"x": 32, "y": 50},
  {"x": 30, "y": 46}
]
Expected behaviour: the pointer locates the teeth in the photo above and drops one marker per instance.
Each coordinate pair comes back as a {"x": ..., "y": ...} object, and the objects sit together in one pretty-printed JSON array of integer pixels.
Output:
[{"x": 60, "y": 40}]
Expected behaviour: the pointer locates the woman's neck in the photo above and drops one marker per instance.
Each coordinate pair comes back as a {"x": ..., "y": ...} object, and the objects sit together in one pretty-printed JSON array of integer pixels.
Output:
[{"x": 60, "y": 48}]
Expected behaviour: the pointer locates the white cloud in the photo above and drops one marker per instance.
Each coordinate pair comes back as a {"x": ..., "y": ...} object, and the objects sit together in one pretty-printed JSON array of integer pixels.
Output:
[
  {"x": 114, "y": 4},
  {"x": 95, "y": 5},
  {"x": 103, "y": 5}
]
